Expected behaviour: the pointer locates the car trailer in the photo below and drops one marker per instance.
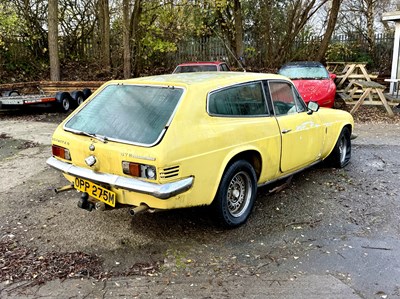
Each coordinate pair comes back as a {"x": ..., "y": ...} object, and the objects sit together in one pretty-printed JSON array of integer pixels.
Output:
[
  {"x": 63, "y": 101},
  {"x": 48, "y": 96}
]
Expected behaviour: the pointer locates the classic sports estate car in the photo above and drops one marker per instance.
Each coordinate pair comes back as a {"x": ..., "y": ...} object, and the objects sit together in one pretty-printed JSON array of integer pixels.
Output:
[{"x": 184, "y": 140}]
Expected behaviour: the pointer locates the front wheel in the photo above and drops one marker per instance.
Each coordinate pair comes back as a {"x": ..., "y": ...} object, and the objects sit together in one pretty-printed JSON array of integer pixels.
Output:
[
  {"x": 236, "y": 194},
  {"x": 63, "y": 100},
  {"x": 341, "y": 153}
]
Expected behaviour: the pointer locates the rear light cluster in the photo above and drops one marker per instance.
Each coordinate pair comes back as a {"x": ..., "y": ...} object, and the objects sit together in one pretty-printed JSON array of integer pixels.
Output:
[
  {"x": 61, "y": 152},
  {"x": 139, "y": 170}
]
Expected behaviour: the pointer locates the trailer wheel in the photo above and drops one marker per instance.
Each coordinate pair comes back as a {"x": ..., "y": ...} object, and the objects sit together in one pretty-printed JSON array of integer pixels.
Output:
[
  {"x": 86, "y": 92},
  {"x": 10, "y": 93},
  {"x": 77, "y": 98},
  {"x": 63, "y": 101}
]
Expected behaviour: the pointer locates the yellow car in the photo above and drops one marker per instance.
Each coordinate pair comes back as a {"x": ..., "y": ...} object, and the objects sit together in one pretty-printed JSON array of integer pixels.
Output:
[{"x": 194, "y": 139}]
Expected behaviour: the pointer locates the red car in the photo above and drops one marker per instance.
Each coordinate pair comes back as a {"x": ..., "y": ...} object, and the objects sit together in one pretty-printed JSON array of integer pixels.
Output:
[
  {"x": 312, "y": 80},
  {"x": 202, "y": 66}
]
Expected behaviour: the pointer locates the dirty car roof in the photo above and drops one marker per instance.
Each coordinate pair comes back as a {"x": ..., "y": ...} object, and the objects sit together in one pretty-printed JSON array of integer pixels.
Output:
[{"x": 210, "y": 79}]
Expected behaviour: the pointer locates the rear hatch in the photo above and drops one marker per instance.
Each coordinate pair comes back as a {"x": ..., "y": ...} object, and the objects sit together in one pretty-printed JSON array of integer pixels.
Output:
[{"x": 121, "y": 123}]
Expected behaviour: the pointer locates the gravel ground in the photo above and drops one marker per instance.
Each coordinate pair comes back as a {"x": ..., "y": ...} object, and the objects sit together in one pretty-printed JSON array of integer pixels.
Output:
[{"x": 331, "y": 220}]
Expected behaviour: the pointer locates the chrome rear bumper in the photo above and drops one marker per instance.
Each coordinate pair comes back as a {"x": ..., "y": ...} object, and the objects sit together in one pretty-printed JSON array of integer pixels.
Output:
[{"x": 163, "y": 191}]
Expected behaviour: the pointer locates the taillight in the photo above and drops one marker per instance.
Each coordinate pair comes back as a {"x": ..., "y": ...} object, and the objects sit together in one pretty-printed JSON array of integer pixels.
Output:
[
  {"x": 61, "y": 152},
  {"x": 139, "y": 170}
]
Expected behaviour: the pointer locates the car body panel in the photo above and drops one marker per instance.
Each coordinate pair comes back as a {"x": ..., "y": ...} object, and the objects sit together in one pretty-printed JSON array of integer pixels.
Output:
[
  {"x": 321, "y": 91},
  {"x": 302, "y": 129},
  {"x": 198, "y": 145}
]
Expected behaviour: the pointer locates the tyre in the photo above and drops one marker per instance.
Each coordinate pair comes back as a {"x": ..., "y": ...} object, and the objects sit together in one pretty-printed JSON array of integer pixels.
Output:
[
  {"x": 77, "y": 98},
  {"x": 11, "y": 93},
  {"x": 63, "y": 100},
  {"x": 341, "y": 153},
  {"x": 86, "y": 93},
  {"x": 236, "y": 194}
]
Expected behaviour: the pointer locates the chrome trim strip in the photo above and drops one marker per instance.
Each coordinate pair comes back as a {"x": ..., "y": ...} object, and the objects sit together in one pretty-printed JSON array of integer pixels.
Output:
[{"x": 163, "y": 191}]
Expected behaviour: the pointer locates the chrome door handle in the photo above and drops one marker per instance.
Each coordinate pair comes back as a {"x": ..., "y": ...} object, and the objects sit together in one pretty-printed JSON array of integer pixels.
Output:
[{"x": 286, "y": 131}]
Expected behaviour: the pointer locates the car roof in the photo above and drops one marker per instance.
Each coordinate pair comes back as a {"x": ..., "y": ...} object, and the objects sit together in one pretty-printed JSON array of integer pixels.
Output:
[
  {"x": 201, "y": 63},
  {"x": 211, "y": 80},
  {"x": 303, "y": 63}
]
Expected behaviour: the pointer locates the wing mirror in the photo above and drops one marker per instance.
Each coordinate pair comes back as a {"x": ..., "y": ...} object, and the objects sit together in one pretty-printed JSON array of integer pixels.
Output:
[{"x": 312, "y": 107}]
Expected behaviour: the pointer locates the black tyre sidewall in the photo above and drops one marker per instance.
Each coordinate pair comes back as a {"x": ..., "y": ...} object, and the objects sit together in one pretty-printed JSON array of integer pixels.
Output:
[
  {"x": 60, "y": 98},
  {"x": 335, "y": 159},
  {"x": 12, "y": 93},
  {"x": 220, "y": 205},
  {"x": 86, "y": 93},
  {"x": 75, "y": 95}
]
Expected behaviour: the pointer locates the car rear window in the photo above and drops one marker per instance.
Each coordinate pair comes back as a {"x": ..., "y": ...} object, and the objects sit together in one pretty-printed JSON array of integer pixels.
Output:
[
  {"x": 196, "y": 68},
  {"x": 131, "y": 113}
]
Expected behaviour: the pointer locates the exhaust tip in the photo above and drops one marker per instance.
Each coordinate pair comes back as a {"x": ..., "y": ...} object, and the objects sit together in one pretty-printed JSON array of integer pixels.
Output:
[{"x": 138, "y": 209}]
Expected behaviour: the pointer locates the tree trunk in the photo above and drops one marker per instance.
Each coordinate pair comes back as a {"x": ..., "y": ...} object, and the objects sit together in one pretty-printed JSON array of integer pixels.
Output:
[
  {"x": 297, "y": 17},
  {"x": 329, "y": 29},
  {"x": 135, "y": 33},
  {"x": 126, "y": 38},
  {"x": 370, "y": 25},
  {"x": 237, "y": 13},
  {"x": 53, "y": 40},
  {"x": 104, "y": 28}
]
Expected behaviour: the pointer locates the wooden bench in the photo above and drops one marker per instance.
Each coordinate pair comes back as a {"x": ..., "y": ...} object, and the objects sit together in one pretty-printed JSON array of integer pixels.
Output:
[{"x": 369, "y": 89}]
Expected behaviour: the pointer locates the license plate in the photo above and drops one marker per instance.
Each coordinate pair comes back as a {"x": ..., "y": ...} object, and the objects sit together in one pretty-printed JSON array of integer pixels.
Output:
[{"x": 96, "y": 191}]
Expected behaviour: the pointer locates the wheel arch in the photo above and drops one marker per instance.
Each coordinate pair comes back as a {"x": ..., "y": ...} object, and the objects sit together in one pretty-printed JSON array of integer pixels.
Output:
[
  {"x": 250, "y": 155},
  {"x": 333, "y": 143}
]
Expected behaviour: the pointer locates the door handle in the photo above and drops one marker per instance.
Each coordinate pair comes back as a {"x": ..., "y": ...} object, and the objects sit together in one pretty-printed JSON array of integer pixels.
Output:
[{"x": 284, "y": 131}]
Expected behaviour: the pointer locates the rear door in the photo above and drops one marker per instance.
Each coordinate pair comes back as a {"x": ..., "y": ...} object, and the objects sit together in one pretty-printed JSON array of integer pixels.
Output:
[{"x": 301, "y": 133}]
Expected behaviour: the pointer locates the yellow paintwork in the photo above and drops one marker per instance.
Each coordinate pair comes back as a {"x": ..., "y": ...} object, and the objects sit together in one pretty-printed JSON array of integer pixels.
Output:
[{"x": 202, "y": 145}]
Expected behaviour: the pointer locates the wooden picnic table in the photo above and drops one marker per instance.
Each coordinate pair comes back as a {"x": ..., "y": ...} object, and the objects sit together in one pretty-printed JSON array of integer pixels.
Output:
[
  {"x": 335, "y": 66},
  {"x": 369, "y": 89},
  {"x": 346, "y": 72},
  {"x": 353, "y": 71}
]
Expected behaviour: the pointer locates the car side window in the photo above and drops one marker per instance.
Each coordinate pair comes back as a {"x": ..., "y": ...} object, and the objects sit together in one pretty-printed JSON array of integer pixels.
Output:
[
  {"x": 224, "y": 67},
  {"x": 241, "y": 100},
  {"x": 285, "y": 99}
]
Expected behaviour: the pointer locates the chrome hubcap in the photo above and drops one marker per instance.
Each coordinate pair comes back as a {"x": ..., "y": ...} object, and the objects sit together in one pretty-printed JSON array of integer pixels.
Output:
[
  {"x": 343, "y": 149},
  {"x": 239, "y": 194},
  {"x": 66, "y": 104}
]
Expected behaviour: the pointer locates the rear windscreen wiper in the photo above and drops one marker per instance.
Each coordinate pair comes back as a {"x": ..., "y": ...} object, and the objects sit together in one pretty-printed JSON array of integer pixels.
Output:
[{"x": 98, "y": 137}]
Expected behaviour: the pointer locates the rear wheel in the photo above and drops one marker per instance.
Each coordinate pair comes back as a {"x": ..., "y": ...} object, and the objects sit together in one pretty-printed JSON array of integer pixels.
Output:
[
  {"x": 236, "y": 194},
  {"x": 341, "y": 154}
]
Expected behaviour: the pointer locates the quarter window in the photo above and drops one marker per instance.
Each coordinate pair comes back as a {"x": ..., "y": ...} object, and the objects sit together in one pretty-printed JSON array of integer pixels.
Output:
[
  {"x": 285, "y": 99},
  {"x": 224, "y": 67},
  {"x": 242, "y": 100}
]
